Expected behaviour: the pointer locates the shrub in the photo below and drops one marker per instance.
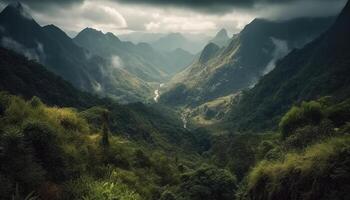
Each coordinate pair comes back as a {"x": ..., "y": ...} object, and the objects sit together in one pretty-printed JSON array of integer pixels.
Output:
[
  {"x": 43, "y": 140},
  {"x": 208, "y": 183},
  {"x": 322, "y": 172},
  {"x": 89, "y": 189},
  {"x": 307, "y": 113}
]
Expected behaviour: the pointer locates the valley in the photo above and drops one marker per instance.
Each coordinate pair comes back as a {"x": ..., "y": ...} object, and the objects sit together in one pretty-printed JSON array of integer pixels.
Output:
[{"x": 256, "y": 112}]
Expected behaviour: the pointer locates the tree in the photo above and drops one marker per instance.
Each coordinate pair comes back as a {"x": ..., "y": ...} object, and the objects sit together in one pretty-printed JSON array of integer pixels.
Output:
[
  {"x": 208, "y": 183},
  {"x": 105, "y": 128}
]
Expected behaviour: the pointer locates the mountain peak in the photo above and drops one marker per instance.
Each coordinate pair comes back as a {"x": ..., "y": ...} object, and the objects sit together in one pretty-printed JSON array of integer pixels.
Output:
[
  {"x": 221, "y": 38},
  {"x": 208, "y": 52},
  {"x": 16, "y": 9},
  {"x": 89, "y": 32},
  {"x": 344, "y": 16},
  {"x": 16, "y": 5},
  {"x": 222, "y": 33}
]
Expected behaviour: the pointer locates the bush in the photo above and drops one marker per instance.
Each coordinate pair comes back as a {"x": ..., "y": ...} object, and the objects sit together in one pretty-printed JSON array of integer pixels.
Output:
[
  {"x": 207, "y": 183},
  {"x": 43, "y": 140},
  {"x": 322, "y": 172},
  {"x": 89, "y": 189},
  {"x": 309, "y": 134},
  {"x": 307, "y": 113}
]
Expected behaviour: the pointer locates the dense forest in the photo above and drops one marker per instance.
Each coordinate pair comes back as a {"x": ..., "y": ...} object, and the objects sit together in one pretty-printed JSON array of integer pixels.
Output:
[{"x": 224, "y": 126}]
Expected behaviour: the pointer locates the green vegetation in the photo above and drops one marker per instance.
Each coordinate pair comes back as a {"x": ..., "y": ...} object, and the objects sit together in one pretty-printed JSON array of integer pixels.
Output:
[
  {"x": 313, "y": 156},
  {"x": 61, "y": 153}
]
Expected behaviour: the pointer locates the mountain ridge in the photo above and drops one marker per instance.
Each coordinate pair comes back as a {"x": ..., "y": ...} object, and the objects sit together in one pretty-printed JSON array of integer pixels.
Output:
[
  {"x": 248, "y": 56},
  {"x": 319, "y": 69}
]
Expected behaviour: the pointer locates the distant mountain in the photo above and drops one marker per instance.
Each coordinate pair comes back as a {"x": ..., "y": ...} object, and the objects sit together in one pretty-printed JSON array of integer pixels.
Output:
[
  {"x": 173, "y": 41},
  {"x": 141, "y": 37},
  {"x": 52, "y": 47},
  {"x": 136, "y": 60},
  {"x": 249, "y": 55},
  {"x": 221, "y": 38},
  {"x": 141, "y": 59},
  {"x": 321, "y": 68}
]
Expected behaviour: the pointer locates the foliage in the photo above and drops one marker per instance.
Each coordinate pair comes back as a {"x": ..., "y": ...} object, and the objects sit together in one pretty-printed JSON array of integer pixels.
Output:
[
  {"x": 307, "y": 113},
  {"x": 89, "y": 189},
  {"x": 322, "y": 172},
  {"x": 207, "y": 183}
]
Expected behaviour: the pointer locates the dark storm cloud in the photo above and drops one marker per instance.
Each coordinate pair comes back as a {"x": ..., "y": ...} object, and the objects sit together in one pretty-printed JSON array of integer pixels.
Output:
[
  {"x": 218, "y": 5},
  {"x": 43, "y": 4}
]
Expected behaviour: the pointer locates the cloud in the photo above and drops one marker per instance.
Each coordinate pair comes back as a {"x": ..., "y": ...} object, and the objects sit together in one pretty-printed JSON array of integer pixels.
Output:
[
  {"x": 164, "y": 16},
  {"x": 30, "y": 53},
  {"x": 281, "y": 49},
  {"x": 45, "y": 4},
  {"x": 220, "y": 6},
  {"x": 89, "y": 14}
]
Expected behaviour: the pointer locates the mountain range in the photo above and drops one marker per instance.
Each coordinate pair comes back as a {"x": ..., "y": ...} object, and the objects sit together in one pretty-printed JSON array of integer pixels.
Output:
[
  {"x": 249, "y": 55},
  {"x": 52, "y": 47},
  {"x": 166, "y": 42},
  {"x": 321, "y": 68},
  {"x": 140, "y": 60}
]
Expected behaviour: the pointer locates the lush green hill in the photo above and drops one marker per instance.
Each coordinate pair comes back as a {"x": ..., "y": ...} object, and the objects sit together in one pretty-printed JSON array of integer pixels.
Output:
[
  {"x": 248, "y": 56},
  {"x": 319, "y": 69}
]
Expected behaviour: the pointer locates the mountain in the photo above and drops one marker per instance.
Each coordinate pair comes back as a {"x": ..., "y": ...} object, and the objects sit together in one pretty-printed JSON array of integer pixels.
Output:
[
  {"x": 319, "y": 69},
  {"x": 26, "y": 78},
  {"x": 249, "y": 55},
  {"x": 52, "y": 47},
  {"x": 141, "y": 37},
  {"x": 141, "y": 59},
  {"x": 173, "y": 41},
  {"x": 221, "y": 38}
]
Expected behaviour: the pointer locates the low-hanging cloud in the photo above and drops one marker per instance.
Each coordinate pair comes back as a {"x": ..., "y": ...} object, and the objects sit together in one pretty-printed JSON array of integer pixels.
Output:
[
  {"x": 281, "y": 49},
  {"x": 37, "y": 53}
]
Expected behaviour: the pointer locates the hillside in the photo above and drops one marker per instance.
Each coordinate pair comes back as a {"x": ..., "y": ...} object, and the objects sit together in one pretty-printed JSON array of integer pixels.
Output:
[
  {"x": 319, "y": 69},
  {"x": 249, "y": 55},
  {"x": 26, "y": 78}
]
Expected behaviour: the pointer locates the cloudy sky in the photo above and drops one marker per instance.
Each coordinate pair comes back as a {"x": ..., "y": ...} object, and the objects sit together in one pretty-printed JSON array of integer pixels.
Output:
[{"x": 185, "y": 16}]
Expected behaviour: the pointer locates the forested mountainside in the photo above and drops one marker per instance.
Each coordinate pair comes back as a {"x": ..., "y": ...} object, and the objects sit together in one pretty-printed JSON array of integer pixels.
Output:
[
  {"x": 27, "y": 78},
  {"x": 249, "y": 55},
  {"x": 53, "y": 48},
  {"x": 319, "y": 69}
]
